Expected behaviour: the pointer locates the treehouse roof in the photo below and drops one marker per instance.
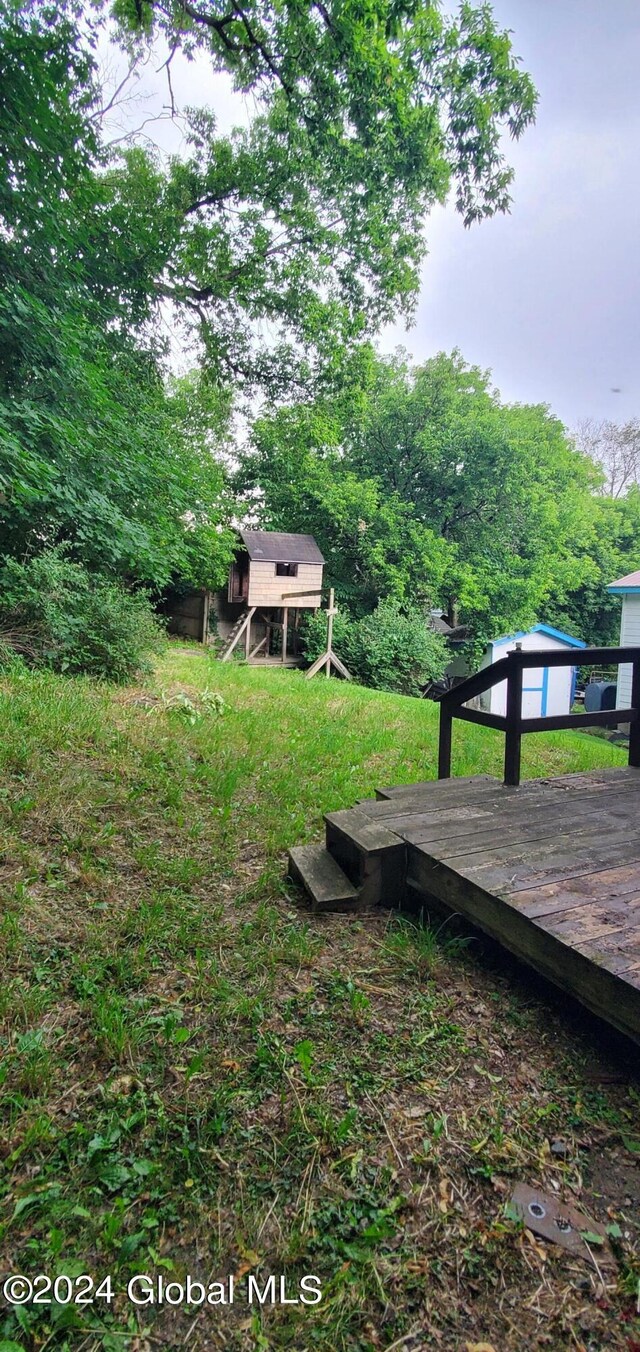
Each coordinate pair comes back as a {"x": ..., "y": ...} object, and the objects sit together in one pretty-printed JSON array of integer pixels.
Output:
[{"x": 268, "y": 546}]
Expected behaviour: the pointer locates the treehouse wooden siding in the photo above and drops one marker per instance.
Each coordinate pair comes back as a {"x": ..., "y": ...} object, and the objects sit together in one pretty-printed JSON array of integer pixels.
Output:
[{"x": 266, "y": 588}]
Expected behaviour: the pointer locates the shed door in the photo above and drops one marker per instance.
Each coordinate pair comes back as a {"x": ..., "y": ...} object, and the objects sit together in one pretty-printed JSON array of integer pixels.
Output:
[{"x": 535, "y": 692}]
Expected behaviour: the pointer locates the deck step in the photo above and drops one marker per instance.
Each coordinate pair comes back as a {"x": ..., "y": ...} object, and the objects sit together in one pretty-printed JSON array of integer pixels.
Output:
[
  {"x": 364, "y": 835},
  {"x": 372, "y": 856},
  {"x": 323, "y": 879}
]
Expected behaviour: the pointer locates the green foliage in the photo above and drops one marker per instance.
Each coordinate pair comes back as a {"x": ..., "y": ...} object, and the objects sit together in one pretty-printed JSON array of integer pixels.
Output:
[
  {"x": 391, "y": 649},
  {"x": 71, "y": 620},
  {"x": 374, "y": 544},
  {"x": 97, "y": 449},
  {"x": 502, "y": 485},
  {"x": 210, "y": 703},
  {"x": 314, "y": 633},
  {"x": 312, "y": 217},
  {"x": 420, "y": 484},
  {"x": 611, "y": 550},
  {"x": 308, "y": 223},
  {"x": 48, "y": 86}
]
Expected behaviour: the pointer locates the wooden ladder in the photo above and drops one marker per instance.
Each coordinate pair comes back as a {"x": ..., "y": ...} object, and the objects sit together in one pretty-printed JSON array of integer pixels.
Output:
[{"x": 239, "y": 628}]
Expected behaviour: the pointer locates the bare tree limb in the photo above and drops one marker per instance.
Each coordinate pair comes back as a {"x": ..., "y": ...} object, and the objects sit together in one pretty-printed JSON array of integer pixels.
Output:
[
  {"x": 166, "y": 65},
  {"x": 615, "y": 447},
  {"x": 115, "y": 97}
]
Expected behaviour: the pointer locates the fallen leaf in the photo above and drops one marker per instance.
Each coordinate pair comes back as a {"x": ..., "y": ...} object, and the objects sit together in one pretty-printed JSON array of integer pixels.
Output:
[
  {"x": 123, "y": 1084},
  {"x": 250, "y": 1259},
  {"x": 445, "y": 1194},
  {"x": 537, "y": 1248}
]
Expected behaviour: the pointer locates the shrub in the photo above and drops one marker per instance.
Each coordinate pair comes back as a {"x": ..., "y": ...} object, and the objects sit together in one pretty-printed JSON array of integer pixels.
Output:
[
  {"x": 59, "y": 615},
  {"x": 392, "y": 649},
  {"x": 314, "y": 634}
]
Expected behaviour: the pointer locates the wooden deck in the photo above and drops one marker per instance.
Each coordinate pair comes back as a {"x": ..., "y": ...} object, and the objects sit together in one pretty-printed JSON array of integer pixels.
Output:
[{"x": 550, "y": 869}]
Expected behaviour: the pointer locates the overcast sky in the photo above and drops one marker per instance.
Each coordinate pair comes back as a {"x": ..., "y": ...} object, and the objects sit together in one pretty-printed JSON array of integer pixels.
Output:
[{"x": 547, "y": 297}]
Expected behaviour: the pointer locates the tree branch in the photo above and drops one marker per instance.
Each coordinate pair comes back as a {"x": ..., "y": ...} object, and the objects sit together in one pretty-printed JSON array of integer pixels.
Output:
[
  {"x": 317, "y": 4},
  {"x": 255, "y": 44},
  {"x": 166, "y": 65},
  {"x": 266, "y": 57}
]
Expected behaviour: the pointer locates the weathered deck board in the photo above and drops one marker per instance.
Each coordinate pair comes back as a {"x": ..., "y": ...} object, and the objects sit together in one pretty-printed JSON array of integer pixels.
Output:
[
  {"x": 462, "y": 822},
  {"x": 550, "y": 869}
]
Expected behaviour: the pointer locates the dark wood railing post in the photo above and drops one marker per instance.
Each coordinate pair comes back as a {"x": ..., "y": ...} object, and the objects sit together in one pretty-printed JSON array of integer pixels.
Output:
[
  {"x": 634, "y": 729},
  {"x": 444, "y": 746},
  {"x": 513, "y": 735},
  {"x": 455, "y": 704}
]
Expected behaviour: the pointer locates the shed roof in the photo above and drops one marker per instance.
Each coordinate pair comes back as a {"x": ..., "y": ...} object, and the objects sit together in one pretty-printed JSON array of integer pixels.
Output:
[
  {"x": 440, "y": 625},
  {"x": 272, "y": 546},
  {"x": 457, "y": 632},
  {"x": 630, "y": 583},
  {"x": 570, "y": 641}
]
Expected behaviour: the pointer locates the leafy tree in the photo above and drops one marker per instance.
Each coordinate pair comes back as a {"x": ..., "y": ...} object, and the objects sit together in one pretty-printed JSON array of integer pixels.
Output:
[
  {"x": 48, "y": 146},
  {"x": 96, "y": 451},
  {"x": 429, "y": 489},
  {"x": 611, "y": 550},
  {"x": 298, "y": 474},
  {"x": 311, "y": 219},
  {"x": 502, "y": 484}
]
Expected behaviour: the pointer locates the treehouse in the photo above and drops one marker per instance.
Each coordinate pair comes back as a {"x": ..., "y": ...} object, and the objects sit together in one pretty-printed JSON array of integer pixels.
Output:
[{"x": 274, "y": 578}]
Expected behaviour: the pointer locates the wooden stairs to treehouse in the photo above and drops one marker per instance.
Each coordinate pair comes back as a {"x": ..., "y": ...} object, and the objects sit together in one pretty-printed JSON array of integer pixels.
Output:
[{"x": 235, "y": 634}]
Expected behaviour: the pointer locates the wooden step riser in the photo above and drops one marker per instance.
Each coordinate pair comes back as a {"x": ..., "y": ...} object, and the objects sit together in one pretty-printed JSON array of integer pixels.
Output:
[{"x": 378, "y": 874}]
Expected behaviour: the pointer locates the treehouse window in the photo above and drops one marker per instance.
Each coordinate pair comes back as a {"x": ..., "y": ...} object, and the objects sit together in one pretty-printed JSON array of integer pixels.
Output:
[{"x": 286, "y": 570}]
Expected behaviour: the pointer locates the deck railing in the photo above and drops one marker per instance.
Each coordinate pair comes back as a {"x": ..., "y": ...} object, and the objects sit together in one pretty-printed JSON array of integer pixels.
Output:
[{"x": 454, "y": 703}]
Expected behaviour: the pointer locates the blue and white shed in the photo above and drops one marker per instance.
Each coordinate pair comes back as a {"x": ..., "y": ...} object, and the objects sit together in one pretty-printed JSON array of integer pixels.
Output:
[
  {"x": 545, "y": 690},
  {"x": 629, "y": 589}
]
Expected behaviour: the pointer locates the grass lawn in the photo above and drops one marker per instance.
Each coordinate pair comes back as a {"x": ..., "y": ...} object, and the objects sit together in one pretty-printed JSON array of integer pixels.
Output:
[{"x": 199, "y": 1077}]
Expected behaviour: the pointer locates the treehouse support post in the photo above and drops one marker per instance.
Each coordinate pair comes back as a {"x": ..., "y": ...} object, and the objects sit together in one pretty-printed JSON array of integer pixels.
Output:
[{"x": 330, "y": 614}]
